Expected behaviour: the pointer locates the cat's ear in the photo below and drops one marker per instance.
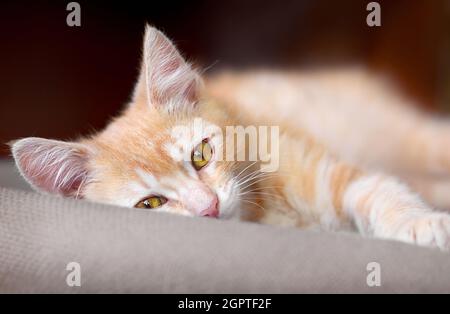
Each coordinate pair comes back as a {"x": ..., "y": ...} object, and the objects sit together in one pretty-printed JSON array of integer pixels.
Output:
[
  {"x": 166, "y": 79},
  {"x": 52, "y": 166}
]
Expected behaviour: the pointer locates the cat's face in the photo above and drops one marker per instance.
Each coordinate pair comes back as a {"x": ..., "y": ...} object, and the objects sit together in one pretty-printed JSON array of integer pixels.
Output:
[{"x": 141, "y": 159}]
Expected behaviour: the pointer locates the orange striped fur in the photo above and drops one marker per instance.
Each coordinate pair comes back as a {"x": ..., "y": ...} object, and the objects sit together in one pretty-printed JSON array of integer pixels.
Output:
[{"x": 344, "y": 137}]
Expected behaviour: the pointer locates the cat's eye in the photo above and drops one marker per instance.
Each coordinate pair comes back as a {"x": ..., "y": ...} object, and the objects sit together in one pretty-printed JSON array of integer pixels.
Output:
[
  {"x": 201, "y": 155},
  {"x": 152, "y": 202}
]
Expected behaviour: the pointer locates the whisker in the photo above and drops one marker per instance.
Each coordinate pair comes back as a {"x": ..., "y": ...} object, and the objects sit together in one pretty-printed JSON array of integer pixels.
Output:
[
  {"x": 255, "y": 175},
  {"x": 260, "y": 193},
  {"x": 257, "y": 181},
  {"x": 266, "y": 188},
  {"x": 248, "y": 176},
  {"x": 266, "y": 197},
  {"x": 245, "y": 169},
  {"x": 247, "y": 201}
]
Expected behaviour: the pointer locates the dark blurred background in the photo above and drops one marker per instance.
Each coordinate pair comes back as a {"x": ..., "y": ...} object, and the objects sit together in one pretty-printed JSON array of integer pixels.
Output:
[{"x": 61, "y": 82}]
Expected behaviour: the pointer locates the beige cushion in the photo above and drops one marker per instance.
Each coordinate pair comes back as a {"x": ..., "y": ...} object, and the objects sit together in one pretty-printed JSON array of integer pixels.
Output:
[
  {"x": 10, "y": 177},
  {"x": 129, "y": 250}
]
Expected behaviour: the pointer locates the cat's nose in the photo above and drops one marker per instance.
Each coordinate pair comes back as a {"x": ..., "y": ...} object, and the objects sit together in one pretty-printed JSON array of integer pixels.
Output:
[
  {"x": 212, "y": 210},
  {"x": 200, "y": 200}
]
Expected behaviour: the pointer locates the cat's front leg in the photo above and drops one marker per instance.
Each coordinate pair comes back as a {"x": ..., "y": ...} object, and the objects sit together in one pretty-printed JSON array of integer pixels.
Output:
[
  {"x": 385, "y": 208},
  {"x": 326, "y": 191}
]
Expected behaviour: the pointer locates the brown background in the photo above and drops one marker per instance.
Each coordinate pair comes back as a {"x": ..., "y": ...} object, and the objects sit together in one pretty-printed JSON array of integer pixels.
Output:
[{"x": 62, "y": 82}]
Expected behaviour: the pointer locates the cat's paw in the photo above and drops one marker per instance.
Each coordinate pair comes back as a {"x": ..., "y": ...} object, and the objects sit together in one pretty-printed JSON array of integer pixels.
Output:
[{"x": 428, "y": 229}]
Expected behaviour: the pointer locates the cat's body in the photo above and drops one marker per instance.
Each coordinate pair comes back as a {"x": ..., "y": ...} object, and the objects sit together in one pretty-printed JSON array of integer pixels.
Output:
[
  {"x": 357, "y": 118},
  {"x": 339, "y": 130}
]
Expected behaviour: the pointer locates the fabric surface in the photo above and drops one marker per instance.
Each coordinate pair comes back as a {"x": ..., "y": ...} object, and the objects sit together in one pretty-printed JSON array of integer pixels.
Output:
[
  {"x": 131, "y": 250},
  {"x": 10, "y": 177}
]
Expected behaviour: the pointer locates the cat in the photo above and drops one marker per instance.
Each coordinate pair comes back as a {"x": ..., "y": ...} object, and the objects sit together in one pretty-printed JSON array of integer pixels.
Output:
[{"x": 341, "y": 131}]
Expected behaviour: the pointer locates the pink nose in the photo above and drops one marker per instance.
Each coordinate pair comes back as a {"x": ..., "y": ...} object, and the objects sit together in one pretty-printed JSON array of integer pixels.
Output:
[{"x": 212, "y": 210}]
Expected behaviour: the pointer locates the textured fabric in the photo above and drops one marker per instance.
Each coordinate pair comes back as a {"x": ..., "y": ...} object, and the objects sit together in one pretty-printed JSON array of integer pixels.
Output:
[
  {"x": 10, "y": 177},
  {"x": 130, "y": 250}
]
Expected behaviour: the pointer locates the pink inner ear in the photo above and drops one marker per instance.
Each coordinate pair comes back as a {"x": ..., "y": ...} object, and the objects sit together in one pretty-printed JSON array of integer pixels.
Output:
[
  {"x": 169, "y": 77},
  {"x": 52, "y": 166}
]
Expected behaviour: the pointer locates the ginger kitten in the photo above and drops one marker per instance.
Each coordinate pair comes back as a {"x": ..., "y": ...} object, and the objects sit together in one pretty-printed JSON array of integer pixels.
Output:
[{"x": 141, "y": 161}]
